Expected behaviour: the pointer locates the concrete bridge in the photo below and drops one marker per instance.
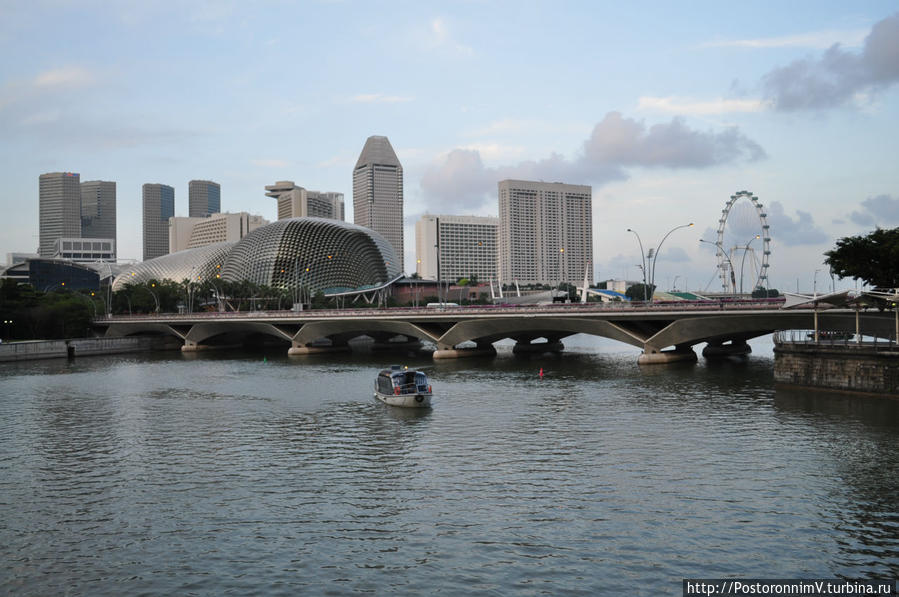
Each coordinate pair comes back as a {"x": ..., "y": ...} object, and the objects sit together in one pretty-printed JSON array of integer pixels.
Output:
[{"x": 665, "y": 332}]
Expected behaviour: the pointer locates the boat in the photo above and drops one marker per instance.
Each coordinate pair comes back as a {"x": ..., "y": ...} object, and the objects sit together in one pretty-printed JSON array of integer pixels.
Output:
[{"x": 398, "y": 386}]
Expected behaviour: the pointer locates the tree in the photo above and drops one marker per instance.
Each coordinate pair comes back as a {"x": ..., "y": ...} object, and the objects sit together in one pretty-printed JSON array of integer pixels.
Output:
[
  {"x": 640, "y": 292},
  {"x": 872, "y": 258}
]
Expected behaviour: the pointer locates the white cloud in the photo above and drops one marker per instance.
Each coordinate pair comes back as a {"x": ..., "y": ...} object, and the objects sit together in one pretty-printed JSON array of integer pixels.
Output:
[
  {"x": 440, "y": 37},
  {"x": 675, "y": 105},
  {"x": 819, "y": 40},
  {"x": 268, "y": 163},
  {"x": 72, "y": 76},
  {"x": 379, "y": 98},
  {"x": 616, "y": 143}
]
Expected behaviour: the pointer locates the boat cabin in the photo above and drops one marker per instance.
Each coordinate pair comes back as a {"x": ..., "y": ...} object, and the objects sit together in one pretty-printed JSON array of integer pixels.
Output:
[{"x": 397, "y": 380}]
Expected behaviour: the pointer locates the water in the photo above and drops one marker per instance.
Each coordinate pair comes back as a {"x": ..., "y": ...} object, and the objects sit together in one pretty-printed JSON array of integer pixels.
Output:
[{"x": 252, "y": 473}]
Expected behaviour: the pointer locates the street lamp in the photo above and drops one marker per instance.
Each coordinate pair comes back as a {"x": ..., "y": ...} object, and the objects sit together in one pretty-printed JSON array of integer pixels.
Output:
[
  {"x": 815, "y": 283},
  {"x": 652, "y": 277},
  {"x": 722, "y": 252},
  {"x": 745, "y": 250},
  {"x": 643, "y": 260}
]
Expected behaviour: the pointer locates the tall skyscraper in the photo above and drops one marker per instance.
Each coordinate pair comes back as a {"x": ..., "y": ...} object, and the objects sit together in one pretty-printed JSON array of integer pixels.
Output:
[
  {"x": 453, "y": 247},
  {"x": 98, "y": 209},
  {"x": 159, "y": 206},
  {"x": 545, "y": 232},
  {"x": 204, "y": 197},
  {"x": 59, "y": 209},
  {"x": 378, "y": 191},
  {"x": 297, "y": 202}
]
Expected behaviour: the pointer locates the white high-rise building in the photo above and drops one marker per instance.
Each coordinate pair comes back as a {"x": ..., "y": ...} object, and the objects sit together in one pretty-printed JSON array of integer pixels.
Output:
[
  {"x": 378, "y": 191},
  {"x": 190, "y": 233},
  {"x": 59, "y": 209},
  {"x": 453, "y": 247},
  {"x": 297, "y": 202},
  {"x": 545, "y": 232}
]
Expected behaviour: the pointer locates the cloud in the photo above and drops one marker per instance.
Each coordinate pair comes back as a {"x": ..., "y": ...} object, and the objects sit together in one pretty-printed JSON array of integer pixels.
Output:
[
  {"x": 44, "y": 85},
  {"x": 72, "y": 76},
  {"x": 790, "y": 232},
  {"x": 881, "y": 210},
  {"x": 269, "y": 163},
  {"x": 441, "y": 37},
  {"x": 674, "y": 254},
  {"x": 616, "y": 143},
  {"x": 838, "y": 77},
  {"x": 675, "y": 105},
  {"x": 818, "y": 40},
  {"x": 379, "y": 98}
]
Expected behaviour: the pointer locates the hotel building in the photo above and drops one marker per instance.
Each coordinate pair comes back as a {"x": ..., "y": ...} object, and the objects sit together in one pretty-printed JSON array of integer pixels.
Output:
[
  {"x": 453, "y": 247},
  {"x": 545, "y": 232}
]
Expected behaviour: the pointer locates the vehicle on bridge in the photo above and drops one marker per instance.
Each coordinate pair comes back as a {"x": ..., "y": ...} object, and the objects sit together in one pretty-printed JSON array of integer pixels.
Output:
[{"x": 398, "y": 386}]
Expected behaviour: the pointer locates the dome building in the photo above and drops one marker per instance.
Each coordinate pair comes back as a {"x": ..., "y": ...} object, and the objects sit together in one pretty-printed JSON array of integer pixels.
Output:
[{"x": 321, "y": 255}]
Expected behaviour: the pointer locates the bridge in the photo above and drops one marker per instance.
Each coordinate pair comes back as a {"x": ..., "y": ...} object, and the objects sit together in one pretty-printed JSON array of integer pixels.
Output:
[{"x": 665, "y": 332}]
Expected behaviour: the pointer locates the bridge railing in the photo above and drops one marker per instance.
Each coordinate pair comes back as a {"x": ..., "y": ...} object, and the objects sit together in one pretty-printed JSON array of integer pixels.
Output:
[
  {"x": 834, "y": 338},
  {"x": 612, "y": 307}
]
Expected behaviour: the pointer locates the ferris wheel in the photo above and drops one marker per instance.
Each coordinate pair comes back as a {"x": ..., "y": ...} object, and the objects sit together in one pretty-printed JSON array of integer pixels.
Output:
[{"x": 743, "y": 215}]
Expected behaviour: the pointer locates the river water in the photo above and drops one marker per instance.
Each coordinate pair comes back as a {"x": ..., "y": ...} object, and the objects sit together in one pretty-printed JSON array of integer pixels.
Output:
[{"x": 255, "y": 473}]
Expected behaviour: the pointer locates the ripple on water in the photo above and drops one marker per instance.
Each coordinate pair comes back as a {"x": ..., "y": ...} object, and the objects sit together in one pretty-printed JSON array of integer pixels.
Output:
[{"x": 222, "y": 473}]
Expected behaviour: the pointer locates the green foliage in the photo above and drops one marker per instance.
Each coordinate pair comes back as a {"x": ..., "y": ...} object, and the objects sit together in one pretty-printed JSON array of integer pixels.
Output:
[
  {"x": 639, "y": 292},
  {"x": 872, "y": 258},
  {"x": 37, "y": 315}
]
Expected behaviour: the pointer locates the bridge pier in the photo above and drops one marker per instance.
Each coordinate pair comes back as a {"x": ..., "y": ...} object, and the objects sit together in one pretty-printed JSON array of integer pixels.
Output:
[
  {"x": 652, "y": 356},
  {"x": 719, "y": 350},
  {"x": 191, "y": 346},
  {"x": 528, "y": 347},
  {"x": 483, "y": 349}
]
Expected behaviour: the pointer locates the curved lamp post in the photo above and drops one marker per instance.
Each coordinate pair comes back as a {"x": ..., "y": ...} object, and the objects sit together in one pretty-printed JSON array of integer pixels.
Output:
[
  {"x": 655, "y": 258},
  {"x": 743, "y": 262},
  {"x": 733, "y": 279},
  {"x": 643, "y": 260}
]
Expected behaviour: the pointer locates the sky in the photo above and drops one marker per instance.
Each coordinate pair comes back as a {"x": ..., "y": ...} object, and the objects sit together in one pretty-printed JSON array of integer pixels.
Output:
[{"x": 665, "y": 108}]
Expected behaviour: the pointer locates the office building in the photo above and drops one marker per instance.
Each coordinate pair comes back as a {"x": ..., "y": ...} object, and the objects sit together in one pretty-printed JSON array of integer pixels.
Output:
[
  {"x": 59, "y": 209},
  {"x": 204, "y": 197},
  {"x": 297, "y": 202},
  {"x": 159, "y": 206},
  {"x": 98, "y": 210},
  {"x": 545, "y": 232},
  {"x": 85, "y": 249},
  {"x": 453, "y": 247},
  {"x": 378, "y": 191},
  {"x": 190, "y": 233}
]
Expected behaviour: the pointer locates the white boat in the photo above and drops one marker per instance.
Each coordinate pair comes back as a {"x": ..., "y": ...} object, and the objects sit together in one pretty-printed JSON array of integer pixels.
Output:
[{"x": 398, "y": 386}]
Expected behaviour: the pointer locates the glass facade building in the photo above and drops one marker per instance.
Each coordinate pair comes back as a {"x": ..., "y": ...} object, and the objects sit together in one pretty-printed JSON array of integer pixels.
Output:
[{"x": 317, "y": 254}]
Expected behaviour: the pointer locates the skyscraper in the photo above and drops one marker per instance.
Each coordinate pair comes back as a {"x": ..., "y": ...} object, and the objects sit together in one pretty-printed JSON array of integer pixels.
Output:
[
  {"x": 453, "y": 247},
  {"x": 59, "y": 209},
  {"x": 378, "y": 191},
  {"x": 204, "y": 197},
  {"x": 159, "y": 206},
  {"x": 98, "y": 209},
  {"x": 545, "y": 232},
  {"x": 297, "y": 202}
]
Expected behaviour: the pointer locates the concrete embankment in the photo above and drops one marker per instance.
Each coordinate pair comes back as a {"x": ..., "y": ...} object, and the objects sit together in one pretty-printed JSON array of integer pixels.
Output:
[
  {"x": 78, "y": 347},
  {"x": 843, "y": 367}
]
